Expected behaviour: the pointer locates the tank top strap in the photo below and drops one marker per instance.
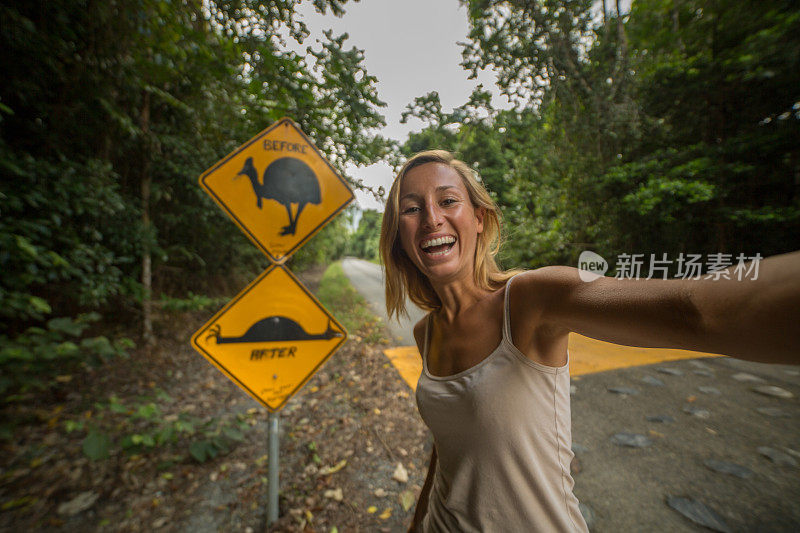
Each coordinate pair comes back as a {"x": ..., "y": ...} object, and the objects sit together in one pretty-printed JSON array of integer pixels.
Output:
[
  {"x": 506, "y": 310},
  {"x": 427, "y": 339}
]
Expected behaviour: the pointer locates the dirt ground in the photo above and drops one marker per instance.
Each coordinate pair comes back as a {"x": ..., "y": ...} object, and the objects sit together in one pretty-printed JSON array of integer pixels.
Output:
[{"x": 343, "y": 437}]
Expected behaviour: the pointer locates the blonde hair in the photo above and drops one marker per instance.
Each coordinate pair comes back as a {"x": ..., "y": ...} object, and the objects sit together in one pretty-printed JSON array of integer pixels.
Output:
[{"x": 402, "y": 275}]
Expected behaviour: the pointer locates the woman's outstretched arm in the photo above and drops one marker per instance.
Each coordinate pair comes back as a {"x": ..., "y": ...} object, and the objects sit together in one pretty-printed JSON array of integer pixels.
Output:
[{"x": 753, "y": 319}]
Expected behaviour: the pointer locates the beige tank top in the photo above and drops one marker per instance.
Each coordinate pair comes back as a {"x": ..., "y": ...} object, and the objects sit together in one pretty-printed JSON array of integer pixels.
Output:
[{"x": 503, "y": 439}]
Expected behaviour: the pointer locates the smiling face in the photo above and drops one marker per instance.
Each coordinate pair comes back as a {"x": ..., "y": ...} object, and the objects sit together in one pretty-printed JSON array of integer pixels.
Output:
[{"x": 438, "y": 225}]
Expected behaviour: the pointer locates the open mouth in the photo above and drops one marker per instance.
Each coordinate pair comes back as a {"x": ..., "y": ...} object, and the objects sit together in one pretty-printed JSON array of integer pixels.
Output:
[{"x": 438, "y": 246}]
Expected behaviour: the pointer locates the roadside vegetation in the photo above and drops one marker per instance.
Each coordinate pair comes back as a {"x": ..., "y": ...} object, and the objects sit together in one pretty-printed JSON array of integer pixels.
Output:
[
  {"x": 349, "y": 307},
  {"x": 109, "y": 250},
  {"x": 108, "y": 115},
  {"x": 670, "y": 128},
  {"x": 115, "y": 428},
  {"x": 363, "y": 241}
]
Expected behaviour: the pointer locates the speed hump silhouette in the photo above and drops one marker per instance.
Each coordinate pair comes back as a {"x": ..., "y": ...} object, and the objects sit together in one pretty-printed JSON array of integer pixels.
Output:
[
  {"x": 278, "y": 188},
  {"x": 271, "y": 338}
]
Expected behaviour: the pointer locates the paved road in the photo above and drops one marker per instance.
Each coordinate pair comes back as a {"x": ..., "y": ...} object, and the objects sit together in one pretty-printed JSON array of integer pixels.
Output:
[
  {"x": 367, "y": 278},
  {"x": 709, "y": 436}
]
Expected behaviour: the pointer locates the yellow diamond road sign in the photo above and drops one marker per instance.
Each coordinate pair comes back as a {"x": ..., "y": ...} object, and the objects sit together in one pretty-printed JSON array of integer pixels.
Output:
[
  {"x": 278, "y": 188},
  {"x": 271, "y": 338}
]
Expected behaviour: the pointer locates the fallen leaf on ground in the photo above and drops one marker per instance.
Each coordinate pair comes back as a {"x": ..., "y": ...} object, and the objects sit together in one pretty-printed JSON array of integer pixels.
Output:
[
  {"x": 81, "y": 502},
  {"x": 400, "y": 473},
  {"x": 334, "y": 494},
  {"x": 325, "y": 470},
  {"x": 406, "y": 499}
]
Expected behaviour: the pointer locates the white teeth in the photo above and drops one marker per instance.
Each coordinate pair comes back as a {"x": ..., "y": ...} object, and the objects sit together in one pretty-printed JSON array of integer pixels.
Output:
[{"x": 437, "y": 241}]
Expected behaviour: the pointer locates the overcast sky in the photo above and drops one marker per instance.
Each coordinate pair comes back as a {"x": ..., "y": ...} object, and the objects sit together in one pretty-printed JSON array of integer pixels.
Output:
[{"x": 410, "y": 46}]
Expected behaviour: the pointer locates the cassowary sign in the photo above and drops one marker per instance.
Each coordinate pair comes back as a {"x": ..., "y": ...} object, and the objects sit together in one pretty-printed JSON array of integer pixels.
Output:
[
  {"x": 288, "y": 181},
  {"x": 286, "y": 177},
  {"x": 271, "y": 338},
  {"x": 284, "y": 343}
]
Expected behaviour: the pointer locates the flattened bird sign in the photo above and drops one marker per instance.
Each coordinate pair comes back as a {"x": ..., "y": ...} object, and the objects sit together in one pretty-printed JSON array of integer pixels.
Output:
[
  {"x": 271, "y": 338},
  {"x": 278, "y": 188},
  {"x": 274, "y": 335}
]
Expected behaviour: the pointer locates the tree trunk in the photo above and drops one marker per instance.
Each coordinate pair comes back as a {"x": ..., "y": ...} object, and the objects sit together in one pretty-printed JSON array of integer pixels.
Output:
[
  {"x": 147, "y": 281},
  {"x": 622, "y": 44},
  {"x": 676, "y": 28},
  {"x": 796, "y": 166}
]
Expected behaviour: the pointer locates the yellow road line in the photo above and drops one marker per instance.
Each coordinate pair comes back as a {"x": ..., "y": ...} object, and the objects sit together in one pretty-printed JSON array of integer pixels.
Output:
[
  {"x": 587, "y": 356},
  {"x": 407, "y": 361}
]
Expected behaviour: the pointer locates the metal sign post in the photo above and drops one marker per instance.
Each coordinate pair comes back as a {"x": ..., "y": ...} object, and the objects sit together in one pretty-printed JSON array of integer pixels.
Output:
[
  {"x": 274, "y": 335},
  {"x": 272, "y": 468}
]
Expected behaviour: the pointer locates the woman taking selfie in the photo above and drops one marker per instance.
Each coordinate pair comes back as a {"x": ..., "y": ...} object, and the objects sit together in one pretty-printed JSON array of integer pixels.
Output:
[{"x": 494, "y": 389}]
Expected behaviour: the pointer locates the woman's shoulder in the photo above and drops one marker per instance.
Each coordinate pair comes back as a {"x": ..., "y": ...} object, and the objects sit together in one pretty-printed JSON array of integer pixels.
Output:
[
  {"x": 536, "y": 289},
  {"x": 542, "y": 277}
]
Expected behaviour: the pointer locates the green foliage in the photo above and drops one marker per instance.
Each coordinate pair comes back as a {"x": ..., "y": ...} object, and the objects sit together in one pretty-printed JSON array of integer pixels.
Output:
[
  {"x": 192, "y": 302},
  {"x": 326, "y": 246},
  {"x": 673, "y": 128},
  {"x": 141, "y": 427},
  {"x": 53, "y": 246},
  {"x": 111, "y": 110},
  {"x": 312, "y": 451},
  {"x": 96, "y": 445},
  {"x": 343, "y": 301},
  {"x": 32, "y": 359},
  {"x": 364, "y": 241}
]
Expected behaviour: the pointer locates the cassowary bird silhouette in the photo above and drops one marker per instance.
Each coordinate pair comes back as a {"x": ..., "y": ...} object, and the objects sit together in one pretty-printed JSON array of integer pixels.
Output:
[
  {"x": 273, "y": 329},
  {"x": 288, "y": 181}
]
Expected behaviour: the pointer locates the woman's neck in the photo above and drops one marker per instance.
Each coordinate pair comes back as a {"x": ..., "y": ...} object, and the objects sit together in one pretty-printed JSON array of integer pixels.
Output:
[{"x": 458, "y": 296}]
